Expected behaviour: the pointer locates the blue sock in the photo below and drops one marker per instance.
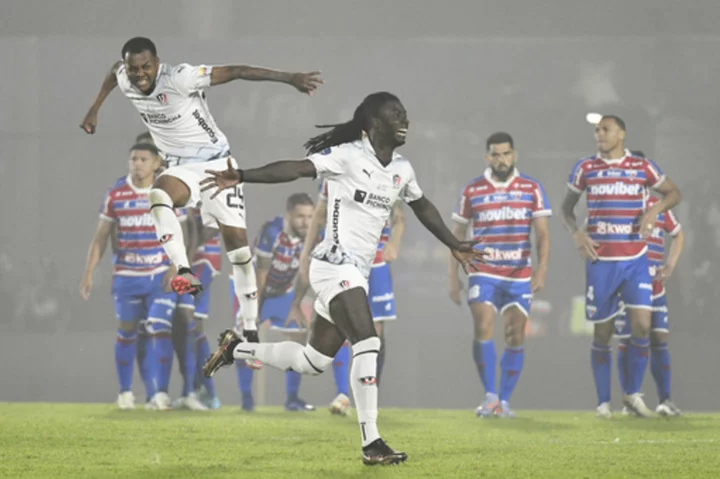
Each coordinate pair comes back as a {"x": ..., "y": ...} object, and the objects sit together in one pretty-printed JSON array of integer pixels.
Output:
[
  {"x": 161, "y": 358},
  {"x": 143, "y": 344},
  {"x": 125, "y": 352},
  {"x": 660, "y": 368},
  {"x": 341, "y": 368},
  {"x": 203, "y": 352},
  {"x": 292, "y": 384},
  {"x": 511, "y": 365},
  {"x": 190, "y": 360},
  {"x": 485, "y": 359},
  {"x": 245, "y": 377},
  {"x": 638, "y": 353},
  {"x": 601, "y": 361},
  {"x": 622, "y": 366}
]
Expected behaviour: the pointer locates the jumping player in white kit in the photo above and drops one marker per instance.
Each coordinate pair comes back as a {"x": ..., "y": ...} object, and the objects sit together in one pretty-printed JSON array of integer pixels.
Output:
[
  {"x": 171, "y": 101},
  {"x": 366, "y": 177}
]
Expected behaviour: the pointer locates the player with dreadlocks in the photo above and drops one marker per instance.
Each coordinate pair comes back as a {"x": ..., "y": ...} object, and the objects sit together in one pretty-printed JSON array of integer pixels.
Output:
[{"x": 365, "y": 178}]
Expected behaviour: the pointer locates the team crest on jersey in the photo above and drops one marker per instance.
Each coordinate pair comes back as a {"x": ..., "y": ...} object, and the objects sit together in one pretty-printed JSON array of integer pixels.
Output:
[
  {"x": 396, "y": 181},
  {"x": 516, "y": 195},
  {"x": 162, "y": 98},
  {"x": 326, "y": 151},
  {"x": 344, "y": 284},
  {"x": 632, "y": 174}
]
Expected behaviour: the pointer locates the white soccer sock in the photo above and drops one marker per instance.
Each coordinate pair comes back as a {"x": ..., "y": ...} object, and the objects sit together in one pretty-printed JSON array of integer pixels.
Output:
[
  {"x": 245, "y": 286},
  {"x": 285, "y": 355},
  {"x": 168, "y": 228},
  {"x": 363, "y": 380}
]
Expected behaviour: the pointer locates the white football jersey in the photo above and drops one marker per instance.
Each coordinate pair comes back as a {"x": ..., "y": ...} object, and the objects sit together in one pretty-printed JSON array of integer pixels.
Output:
[
  {"x": 360, "y": 199},
  {"x": 176, "y": 113}
]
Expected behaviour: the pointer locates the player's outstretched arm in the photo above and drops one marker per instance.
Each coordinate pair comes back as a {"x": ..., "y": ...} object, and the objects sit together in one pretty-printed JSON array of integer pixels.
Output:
[
  {"x": 282, "y": 171},
  {"x": 95, "y": 253},
  {"x": 89, "y": 123},
  {"x": 303, "y": 82},
  {"x": 585, "y": 245},
  {"x": 463, "y": 251}
]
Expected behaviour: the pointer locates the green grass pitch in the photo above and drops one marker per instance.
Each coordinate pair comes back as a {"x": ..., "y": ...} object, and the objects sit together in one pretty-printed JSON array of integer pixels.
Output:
[{"x": 97, "y": 441}]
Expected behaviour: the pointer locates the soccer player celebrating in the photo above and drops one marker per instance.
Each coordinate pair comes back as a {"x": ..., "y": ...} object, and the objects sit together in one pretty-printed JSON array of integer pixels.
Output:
[
  {"x": 502, "y": 207},
  {"x": 614, "y": 247},
  {"x": 171, "y": 101},
  {"x": 278, "y": 250},
  {"x": 141, "y": 278},
  {"x": 359, "y": 205},
  {"x": 380, "y": 290}
]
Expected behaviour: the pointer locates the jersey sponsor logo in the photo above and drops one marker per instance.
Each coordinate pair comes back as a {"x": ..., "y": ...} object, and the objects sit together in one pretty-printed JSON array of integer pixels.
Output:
[
  {"x": 141, "y": 259},
  {"x": 159, "y": 118},
  {"x": 281, "y": 267},
  {"x": 383, "y": 297},
  {"x": 617, "y": 188},
  {"x": 203, "y": 124},
  {"x": 613, "y": 229},
  {"x": 494, "y": 254},
  {"x": 336, "y": 220},
  {"x": 505, "y": 213},
  {"x": 360, "y": 196},
  {"x": 134, "y": 221},
  {"x": 379, "y": 201}
]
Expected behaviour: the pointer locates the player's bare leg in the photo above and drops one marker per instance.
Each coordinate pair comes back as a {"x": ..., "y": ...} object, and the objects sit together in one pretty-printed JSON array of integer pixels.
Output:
[
  {"x": 601, "y": 357},
  {"x": 240, "y": 256},
  {"x": 484, "y": 355},
  {"x": 513, "y": 357},
  {"x": 638, "y": 353},
  {"x": 168, "y": 193},
  {"x": 351, "y": 313}
]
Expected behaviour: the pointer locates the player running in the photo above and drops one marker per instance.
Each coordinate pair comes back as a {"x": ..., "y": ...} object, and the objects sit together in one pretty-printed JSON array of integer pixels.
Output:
[
  {"x": 172, "y": 103},
  {"x": 502, "y": 207},
  {"x": 277, "y": 251},
  {"x": 618, "y": 223},
  {"x": 660, "y": 270},
  {"x": 359, "y": 206},
  {"x": 380, "y": 291},
  {"x": 141, "y": 279}
]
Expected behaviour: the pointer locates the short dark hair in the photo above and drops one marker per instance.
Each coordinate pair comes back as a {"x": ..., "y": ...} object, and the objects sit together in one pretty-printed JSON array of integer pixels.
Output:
[
  {"x": 297, "y": 199},
  {"x": 138, "y": 45},
  {"x": 498, "y": 139},
  {"x": 144, "y": 137},
  {"x": 618, "y": 121},
  {"x": 146, "y": 147}
]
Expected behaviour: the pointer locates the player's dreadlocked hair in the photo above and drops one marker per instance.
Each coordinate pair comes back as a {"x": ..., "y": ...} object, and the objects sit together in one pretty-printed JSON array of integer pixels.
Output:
[{"x": 350, "y": 130}]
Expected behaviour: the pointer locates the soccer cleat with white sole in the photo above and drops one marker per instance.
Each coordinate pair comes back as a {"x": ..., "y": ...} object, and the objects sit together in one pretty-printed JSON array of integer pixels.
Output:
[
  {"x": 668, "y": 409},
  {"x": 126, "y": 401},
  {"x": 488, "y": 407},
  {"x": 379, "y": 453},
  {"x": 625, "y": 411},
  {"x": 636, "y": 405},
  {"x": 161, "y": 401},
  {"x": 340, "y": 405},
  {"x": 604, "y": 411},
  {"x": 192, "y": 403},
  {"x": 504, "y": 411}
]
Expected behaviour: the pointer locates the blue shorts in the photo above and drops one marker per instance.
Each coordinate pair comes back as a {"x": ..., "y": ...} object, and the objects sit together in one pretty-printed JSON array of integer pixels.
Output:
[
  {"x": 380, "y": 293},
  {"x": 202, "y": 300},
  {"x": 609, "y": 282},
  {"x": 500, "y": 293},
  {"x": 276, "y": 311},
  {"x": 143, "y": 297},
  {"x": 659, "y": 314}
]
